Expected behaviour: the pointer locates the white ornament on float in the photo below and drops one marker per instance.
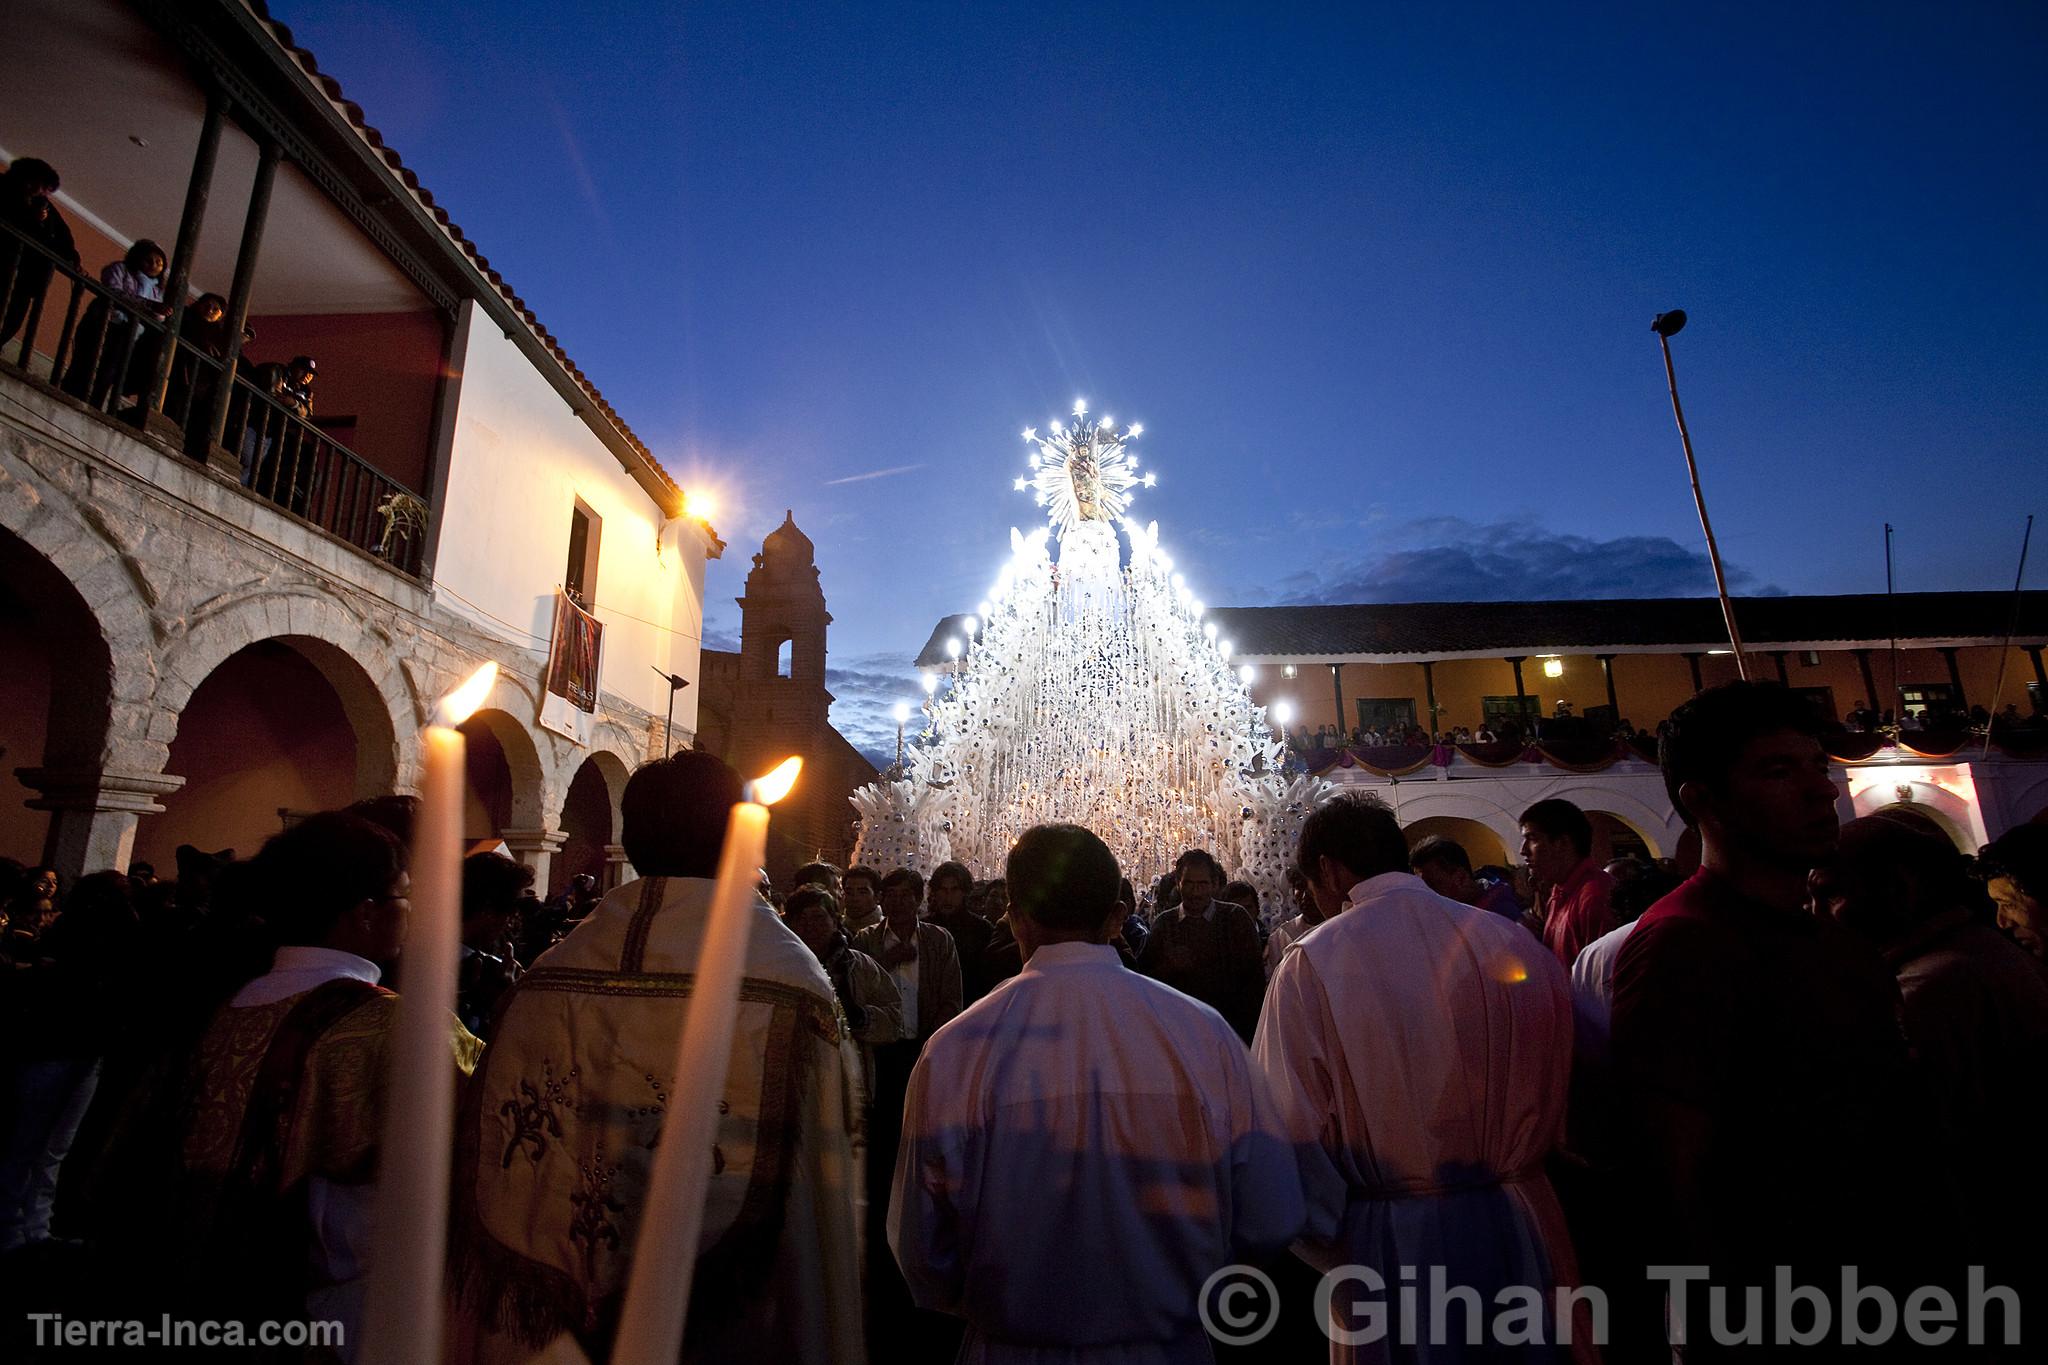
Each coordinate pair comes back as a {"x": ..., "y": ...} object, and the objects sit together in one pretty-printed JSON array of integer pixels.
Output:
[{"x": 1092, "y": 693}]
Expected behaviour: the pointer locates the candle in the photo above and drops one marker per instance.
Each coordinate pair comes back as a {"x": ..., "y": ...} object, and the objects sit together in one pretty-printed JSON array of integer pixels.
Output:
[
  {"x": 672, "y": 1216},
  {"x": 402, "y": 1301}
]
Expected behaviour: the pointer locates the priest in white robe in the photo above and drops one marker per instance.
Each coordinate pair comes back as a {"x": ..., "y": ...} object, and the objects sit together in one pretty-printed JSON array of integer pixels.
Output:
[
  {"x": 1419, "y": 1051},
  {"x": 1084, "y": 1146}
]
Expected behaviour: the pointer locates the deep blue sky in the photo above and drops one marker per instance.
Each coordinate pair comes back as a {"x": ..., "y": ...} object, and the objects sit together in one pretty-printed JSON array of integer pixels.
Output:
[{"x": 1377, "y": 279}]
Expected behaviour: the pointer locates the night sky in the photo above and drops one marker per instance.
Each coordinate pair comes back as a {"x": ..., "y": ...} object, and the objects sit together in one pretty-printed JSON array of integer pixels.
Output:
[{"x": 1376, "y": 279}]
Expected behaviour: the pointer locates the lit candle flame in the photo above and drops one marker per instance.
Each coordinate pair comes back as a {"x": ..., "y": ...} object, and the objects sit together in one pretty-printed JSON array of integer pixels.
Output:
[
  {"x": 766, "y": 791},
  {"x": 459, "y": 705}
]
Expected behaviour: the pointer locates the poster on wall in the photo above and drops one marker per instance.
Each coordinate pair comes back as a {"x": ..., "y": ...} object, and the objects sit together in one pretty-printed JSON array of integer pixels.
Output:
[{"x": 568, "y": 698}]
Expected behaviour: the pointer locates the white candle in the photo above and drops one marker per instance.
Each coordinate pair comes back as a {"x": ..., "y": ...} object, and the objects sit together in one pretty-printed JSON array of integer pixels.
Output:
[
  {"x": 402, "y": 1300},
  {"x": 672, "y": 1215}
]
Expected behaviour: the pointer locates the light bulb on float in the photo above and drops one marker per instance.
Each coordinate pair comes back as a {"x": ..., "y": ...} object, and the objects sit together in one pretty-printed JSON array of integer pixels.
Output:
[
  {"x": 1246, "y": 674},
  {"x": 1283, "y": 713}
]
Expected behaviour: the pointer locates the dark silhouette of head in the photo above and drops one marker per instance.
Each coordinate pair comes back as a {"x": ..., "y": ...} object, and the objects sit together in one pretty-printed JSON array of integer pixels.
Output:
[
  {"x": 1064, "y": 881},
  {"x": 674, "y": 814}
]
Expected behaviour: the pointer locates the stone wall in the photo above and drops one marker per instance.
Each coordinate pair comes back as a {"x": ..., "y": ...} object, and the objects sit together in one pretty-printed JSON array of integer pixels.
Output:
[{"x": 147, "y": 571}]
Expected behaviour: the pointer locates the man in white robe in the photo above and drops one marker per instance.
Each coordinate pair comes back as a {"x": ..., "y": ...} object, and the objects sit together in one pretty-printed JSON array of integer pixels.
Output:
[
  {"x": 1419, "y": 1051},
  {"x": 1083, "y": 1147}
]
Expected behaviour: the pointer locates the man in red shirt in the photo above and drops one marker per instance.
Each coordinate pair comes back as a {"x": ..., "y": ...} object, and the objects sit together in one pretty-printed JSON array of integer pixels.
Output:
[
  {"x": 1557, "y": 844},
  {"x": 1762, "y": 1076}
]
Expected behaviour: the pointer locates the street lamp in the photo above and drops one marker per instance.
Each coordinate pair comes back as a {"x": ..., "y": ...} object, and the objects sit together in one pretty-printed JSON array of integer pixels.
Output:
[
  {"x": 1667, "y": 326},
  {"x": 676, "y": 683},
  {"x": 902, "y": 719}
]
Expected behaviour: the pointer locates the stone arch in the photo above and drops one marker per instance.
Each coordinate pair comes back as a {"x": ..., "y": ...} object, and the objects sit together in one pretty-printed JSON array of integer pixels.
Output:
[
  {"x": 1912, "y": 789},
  {"x": 533, "y": 798},
  {"x": 1479, "y": 840},
  {"x": 74, "y": 559},
  {"x": 589, "y": 820},
  {"x": 1658, "y": 829},
  {"x": 283, "y": 727},
  {"x": 79, "y": 748},
  {"x": 1957, "y": 835},
  {"x": 1456, "y": 804},
  {"x": 355, "y": 658}
]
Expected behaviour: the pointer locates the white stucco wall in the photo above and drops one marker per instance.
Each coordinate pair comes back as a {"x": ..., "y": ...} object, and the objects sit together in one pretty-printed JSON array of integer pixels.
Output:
[{"x": 520, "y": 459}]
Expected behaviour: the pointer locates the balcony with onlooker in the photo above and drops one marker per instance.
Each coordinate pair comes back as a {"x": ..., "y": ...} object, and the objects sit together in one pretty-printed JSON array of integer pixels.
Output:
[{"x": 184, "y": 261}]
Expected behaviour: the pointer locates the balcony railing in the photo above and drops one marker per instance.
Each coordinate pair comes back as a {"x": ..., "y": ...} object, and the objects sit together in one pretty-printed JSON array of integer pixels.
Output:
[{"x": 106, "y": 356}]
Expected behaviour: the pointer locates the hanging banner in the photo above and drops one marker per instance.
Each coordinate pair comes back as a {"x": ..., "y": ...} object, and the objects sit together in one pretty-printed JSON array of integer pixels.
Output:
[{"x": 568, "y": 696}]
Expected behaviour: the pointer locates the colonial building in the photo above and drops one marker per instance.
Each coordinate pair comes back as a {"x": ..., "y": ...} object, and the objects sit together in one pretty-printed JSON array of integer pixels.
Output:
[
  {"x": 221, "y": 607},
  {"x": 769, "y": 701},
  {"x": 1929, "y": 658}
]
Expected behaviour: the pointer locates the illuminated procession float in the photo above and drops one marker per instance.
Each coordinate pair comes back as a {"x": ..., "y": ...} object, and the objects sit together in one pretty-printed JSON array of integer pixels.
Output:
[{"x": 1089, "y": 689}]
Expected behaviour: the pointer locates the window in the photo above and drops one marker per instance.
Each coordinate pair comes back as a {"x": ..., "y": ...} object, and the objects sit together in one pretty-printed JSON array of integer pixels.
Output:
[
  {"x": 1927, "y": 699},
  {"x": 1386, "y": 713},
  {"x": 1492, "y": 709},
  {"x": 783, "y": 655},
  {"x": 579, "y": 578}
]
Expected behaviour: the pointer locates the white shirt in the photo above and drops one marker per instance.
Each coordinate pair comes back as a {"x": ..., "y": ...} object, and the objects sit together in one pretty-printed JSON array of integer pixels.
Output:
[
  {"x": 1419, "y": 1052},
  {"x": 1280, "y": 937},
  {"x": 904, "y": 974},
  {"x": 296, "y": 969},
  {"x": 1593, "y": 986},
  {"x": 1081, "y": 1149}
]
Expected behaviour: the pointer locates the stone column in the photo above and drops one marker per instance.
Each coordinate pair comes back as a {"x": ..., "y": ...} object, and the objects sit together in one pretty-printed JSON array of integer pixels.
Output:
[
  {"x": 536, "y": 848},
  {"x": 93, "y": 814},
  {"x": 618, "y": 868}
]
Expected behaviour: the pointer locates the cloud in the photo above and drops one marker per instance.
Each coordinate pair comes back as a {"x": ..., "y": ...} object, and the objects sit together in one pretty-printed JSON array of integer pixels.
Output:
[
  {"x": 719, "y": 635},
  {"x": 864, "y": 694},
  {"x": 1448, "y": 559},
  {"x": 873, "y": 474}
]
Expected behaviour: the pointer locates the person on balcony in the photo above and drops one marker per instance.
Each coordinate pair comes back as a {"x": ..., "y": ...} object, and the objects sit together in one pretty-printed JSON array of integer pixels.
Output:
[
  {"x": 25, "y": 190},
  {"x": 203, "y": 330},
  {"x": 276, "y": 461},
  {"x": 107, "y": 345}
]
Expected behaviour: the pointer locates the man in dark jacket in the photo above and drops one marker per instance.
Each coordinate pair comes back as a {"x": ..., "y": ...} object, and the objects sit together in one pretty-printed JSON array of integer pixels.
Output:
[{"x": 1208, "y": 948}]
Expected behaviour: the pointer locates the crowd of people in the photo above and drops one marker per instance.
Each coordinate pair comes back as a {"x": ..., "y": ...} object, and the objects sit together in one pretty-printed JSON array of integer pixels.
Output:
[
  {"x": 111, "y": 356},
  {"x": 1563, "y": 724},
  {"x": 1027, "y": 1116}
]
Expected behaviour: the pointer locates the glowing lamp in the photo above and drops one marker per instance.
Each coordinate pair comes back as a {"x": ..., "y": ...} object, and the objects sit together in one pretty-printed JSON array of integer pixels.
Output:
[
  {"x": 1553, "y": 668},
  {"x": 902, "y": 712}
]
